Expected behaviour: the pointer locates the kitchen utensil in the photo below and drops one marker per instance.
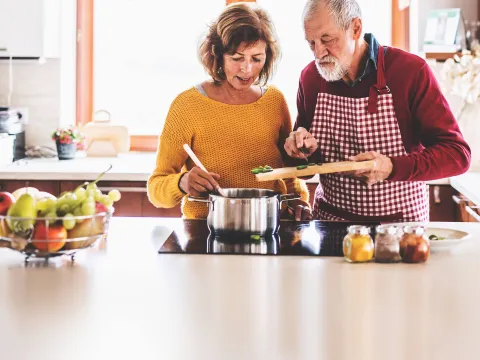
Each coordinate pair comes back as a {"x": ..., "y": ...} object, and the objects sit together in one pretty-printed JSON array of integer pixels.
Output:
[
  {"x": 326, "y": 168},
  {"x": 200, "y": 165},
  {"x": 104, "y": 139},
  {"x": 253, "y": 211}
]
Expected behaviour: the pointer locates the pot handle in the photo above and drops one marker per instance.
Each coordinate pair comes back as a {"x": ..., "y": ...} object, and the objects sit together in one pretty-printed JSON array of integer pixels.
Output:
[
  {"x": 286, "y": 197},
  {"x": 199, "y": 199}
]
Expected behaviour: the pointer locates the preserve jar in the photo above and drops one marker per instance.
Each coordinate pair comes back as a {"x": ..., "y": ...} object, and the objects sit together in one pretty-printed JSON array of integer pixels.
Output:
[
  {"x": 414, "y": 245},
  {"x": 387, "y": 244},
  {"x": 358, "y": 244}
]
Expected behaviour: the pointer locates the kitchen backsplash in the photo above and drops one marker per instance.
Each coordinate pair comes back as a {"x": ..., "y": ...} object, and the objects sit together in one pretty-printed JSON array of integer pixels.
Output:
[{"x": 37, "y": 87}]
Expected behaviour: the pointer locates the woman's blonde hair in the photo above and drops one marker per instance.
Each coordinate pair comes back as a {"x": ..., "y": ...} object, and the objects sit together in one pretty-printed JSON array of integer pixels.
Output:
[{"x": 236, "y": 24}]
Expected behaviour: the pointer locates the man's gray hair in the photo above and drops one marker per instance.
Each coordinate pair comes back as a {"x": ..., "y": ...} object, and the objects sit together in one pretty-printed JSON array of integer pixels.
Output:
[{"x": 343, "y": 11}]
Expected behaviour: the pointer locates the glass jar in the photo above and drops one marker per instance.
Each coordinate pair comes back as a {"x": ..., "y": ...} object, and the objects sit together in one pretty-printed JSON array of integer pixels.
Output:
[
  {"x": 414, "y": 245},
  {"x": 387, "y": 244},
  {"x": 358, "y": 244}
]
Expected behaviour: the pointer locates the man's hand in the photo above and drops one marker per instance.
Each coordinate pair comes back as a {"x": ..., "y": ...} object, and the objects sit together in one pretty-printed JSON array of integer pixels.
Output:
[
  {"x": 382, "y": 169},
  {"x": 298, "y": 210},
  {"x": 197, "y": 182},
  {"x": 300, "y": 139}
]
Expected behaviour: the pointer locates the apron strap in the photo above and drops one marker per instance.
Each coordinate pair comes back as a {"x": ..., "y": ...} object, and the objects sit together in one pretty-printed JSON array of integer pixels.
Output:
[{"x": 380, "y": 88}]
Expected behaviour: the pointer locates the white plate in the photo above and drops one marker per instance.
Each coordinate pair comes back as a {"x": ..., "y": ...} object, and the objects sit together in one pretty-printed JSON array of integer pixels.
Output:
[{"x": 452, "y": 238}]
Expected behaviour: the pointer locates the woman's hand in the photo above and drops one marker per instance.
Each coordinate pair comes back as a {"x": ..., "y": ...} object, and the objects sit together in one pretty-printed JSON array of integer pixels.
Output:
[
  {"x": 300, "y": 144},
  {"x": 197, "y": 182},
  {"x": 298, "y": 210}
]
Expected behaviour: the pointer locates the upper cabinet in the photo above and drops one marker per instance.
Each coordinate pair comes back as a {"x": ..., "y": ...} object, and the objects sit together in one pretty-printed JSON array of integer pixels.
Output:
[{"x": 30, "y": 28}]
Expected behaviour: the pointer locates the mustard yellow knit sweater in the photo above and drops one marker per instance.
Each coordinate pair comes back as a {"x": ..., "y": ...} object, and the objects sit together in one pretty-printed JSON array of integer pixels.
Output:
[{"x": 229, "y": 140}]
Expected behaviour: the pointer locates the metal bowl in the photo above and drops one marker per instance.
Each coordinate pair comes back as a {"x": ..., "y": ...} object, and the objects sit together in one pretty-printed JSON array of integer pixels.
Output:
[{"x": 46, "y": 237}]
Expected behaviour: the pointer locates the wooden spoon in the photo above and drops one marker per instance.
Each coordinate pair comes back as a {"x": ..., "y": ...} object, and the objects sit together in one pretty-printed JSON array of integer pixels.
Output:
[{"x": 200, "y": 165}]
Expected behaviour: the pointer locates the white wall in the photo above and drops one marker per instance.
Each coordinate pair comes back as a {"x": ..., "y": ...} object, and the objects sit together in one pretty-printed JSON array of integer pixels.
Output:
[
  {"x": 48, "y": 89},
  {"x": 421, "y": 8},
  {"x": 37, "y": 87}
]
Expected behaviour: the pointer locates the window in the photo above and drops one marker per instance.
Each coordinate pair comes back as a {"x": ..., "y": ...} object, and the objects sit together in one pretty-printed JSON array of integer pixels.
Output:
[{"x": 145, "y": 54}]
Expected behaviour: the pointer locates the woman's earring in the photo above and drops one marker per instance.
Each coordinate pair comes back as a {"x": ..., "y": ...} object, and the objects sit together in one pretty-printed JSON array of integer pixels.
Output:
[{"x": 220, "y": 70}]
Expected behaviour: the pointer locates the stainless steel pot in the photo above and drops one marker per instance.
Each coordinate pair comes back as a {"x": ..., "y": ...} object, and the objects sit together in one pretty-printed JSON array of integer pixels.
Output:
[
  {"x": 225, "y": 244},
  {"x": 253, "y": 211}
]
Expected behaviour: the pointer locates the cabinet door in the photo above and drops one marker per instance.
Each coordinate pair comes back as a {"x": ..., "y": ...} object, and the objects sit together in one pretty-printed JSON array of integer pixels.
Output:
[
  {"x": 52, "y": 187},
  {"x": 21, "y": 28},
  {"x": 442, "y": 206}
]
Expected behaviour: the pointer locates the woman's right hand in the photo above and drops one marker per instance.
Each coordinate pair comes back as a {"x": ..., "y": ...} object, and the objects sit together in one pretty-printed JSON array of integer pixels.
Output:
[{"x": 197, "y": 182}]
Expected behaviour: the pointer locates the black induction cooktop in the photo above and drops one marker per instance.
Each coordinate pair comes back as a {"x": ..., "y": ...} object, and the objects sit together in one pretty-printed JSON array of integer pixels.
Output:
[{"x": 309, "y": 238}]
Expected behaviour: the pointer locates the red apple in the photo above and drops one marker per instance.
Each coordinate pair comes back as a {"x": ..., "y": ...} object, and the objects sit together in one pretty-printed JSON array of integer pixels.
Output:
[
  {"x": 56, "y": 236},
  {"x": 100, "y": 208},
  {"x": 6, "y": 200}
]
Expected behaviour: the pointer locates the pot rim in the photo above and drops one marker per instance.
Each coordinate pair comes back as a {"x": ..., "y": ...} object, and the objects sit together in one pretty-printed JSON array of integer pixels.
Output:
[{"x": 273, "y": 192}]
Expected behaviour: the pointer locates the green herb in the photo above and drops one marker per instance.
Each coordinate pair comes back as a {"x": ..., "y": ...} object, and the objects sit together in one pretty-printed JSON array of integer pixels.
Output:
[
  {"x": 301, "y": 167},
  {"x": 261, "y": 169},
  {"x": 255, "y": 237},
  {"x": 435, "y": 237}
]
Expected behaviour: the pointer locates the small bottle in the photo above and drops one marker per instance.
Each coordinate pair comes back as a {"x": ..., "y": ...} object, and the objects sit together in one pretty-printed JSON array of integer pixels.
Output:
[
  {"x": 358, "y": 244},
  {"x": 387, "y": 244},
  {"x": 414, "y": 245}
]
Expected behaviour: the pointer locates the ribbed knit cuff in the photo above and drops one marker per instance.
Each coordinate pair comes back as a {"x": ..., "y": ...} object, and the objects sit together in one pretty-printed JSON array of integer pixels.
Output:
[{"x": 173, "y": 188}]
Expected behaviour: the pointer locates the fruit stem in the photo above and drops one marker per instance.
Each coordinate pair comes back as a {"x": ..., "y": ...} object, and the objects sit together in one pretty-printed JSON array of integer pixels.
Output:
[{"x": 103, "y": 173}]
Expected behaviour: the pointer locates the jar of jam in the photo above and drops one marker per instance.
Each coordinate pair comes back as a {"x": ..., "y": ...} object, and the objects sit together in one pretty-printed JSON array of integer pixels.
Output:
[
  {"x": 387, "y": 244},
  {"x": 358, "y": 244},
  {"x": 414, "y": 245}
]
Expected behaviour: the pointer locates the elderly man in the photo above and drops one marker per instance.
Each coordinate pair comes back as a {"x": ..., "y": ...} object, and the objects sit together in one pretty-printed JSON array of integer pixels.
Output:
[{"x": 362, "y": 101}]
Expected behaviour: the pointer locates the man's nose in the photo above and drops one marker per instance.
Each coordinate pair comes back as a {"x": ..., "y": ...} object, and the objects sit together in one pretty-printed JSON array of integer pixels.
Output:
[{"x": 320, "y": 51}]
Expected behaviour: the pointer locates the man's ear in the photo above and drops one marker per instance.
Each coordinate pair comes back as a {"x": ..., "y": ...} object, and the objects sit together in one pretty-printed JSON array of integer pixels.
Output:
[{"x": 356, "y": 28}]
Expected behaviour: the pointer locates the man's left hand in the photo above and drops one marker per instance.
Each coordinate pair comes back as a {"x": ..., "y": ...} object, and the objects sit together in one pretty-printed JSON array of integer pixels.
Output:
[{"x": 382, "y": 169}]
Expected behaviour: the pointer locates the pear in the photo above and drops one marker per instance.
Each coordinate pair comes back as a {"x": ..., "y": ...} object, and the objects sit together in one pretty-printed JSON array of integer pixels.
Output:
[
  {"x": 25, "y": 190},
  {"x": 25, "y": 207}
]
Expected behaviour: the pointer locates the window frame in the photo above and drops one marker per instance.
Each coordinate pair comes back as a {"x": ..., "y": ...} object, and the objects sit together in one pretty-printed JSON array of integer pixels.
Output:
[{"x": 85, "y": 63}]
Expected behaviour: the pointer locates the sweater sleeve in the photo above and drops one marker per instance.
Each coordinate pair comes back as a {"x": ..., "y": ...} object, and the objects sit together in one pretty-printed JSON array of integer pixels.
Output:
[
  {"x": 162, "y": 186},
  {"x": 445, "y": 153}
]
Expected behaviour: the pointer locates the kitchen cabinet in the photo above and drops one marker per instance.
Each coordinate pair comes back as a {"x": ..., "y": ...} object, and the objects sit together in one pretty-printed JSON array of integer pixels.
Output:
[
  {"x": 30, "y": 28},
  {"x": 52, "y": 187}
]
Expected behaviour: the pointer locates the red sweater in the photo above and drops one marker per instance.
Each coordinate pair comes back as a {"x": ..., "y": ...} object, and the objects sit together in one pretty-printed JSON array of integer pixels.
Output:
[{"x": 431, "y": 136}]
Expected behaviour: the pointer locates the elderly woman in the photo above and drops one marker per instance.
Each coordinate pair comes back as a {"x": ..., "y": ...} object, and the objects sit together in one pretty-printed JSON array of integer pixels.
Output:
[{"x": 233, "y": 122}]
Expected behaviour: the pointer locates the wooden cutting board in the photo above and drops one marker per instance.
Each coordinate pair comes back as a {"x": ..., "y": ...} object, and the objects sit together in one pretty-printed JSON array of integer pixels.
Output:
[{"x": 327, "y": 168}]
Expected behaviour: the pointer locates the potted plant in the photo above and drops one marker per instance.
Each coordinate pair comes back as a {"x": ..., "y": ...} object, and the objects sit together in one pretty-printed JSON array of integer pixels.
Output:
[{"x": 66, "y": 139}]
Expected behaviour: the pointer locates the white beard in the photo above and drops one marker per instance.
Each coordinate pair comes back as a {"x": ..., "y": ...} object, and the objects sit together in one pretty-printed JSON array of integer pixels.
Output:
[{"x": 338, "y": 71}]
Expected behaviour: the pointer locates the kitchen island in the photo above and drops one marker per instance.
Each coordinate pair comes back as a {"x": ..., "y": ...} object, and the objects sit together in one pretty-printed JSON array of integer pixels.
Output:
[{"x": 124, "y": 300}]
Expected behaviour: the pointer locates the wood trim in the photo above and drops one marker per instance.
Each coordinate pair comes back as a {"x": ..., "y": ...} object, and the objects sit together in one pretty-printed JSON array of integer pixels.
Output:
[
  {"x": 228, "y": 2},
  {"x": 143, "y": 143},
  {"x": 84, "y": 78},
  {"x": 400, "y": 26}
]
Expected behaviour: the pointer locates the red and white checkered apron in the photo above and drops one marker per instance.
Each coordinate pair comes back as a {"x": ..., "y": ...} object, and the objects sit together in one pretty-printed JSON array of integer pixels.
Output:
[{"x": 348, "y": 126}]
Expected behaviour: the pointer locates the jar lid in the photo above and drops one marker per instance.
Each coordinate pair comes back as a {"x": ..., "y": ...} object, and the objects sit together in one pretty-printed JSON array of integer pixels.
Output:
[
  {"x": 359, "y": 230},
  {"x": 414, "y": 229},
  {"x": 386, "y": 229}
]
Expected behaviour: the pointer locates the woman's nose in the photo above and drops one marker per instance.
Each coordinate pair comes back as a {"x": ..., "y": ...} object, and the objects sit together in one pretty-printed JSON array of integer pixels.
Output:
[{"x": 246, "y": 67}]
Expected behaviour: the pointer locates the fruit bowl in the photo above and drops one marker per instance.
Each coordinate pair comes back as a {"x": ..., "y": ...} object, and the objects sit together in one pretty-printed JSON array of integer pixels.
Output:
[{"x": 46, "y": 237}]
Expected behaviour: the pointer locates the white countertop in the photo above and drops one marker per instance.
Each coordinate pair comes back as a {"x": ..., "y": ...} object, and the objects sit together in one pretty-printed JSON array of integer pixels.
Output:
[
  {"x": 135, "y": 166},
  {"x": 126, "y": 167},
  {"x": 469, "y": 185},
  {"x": 123, "y": 300}
]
